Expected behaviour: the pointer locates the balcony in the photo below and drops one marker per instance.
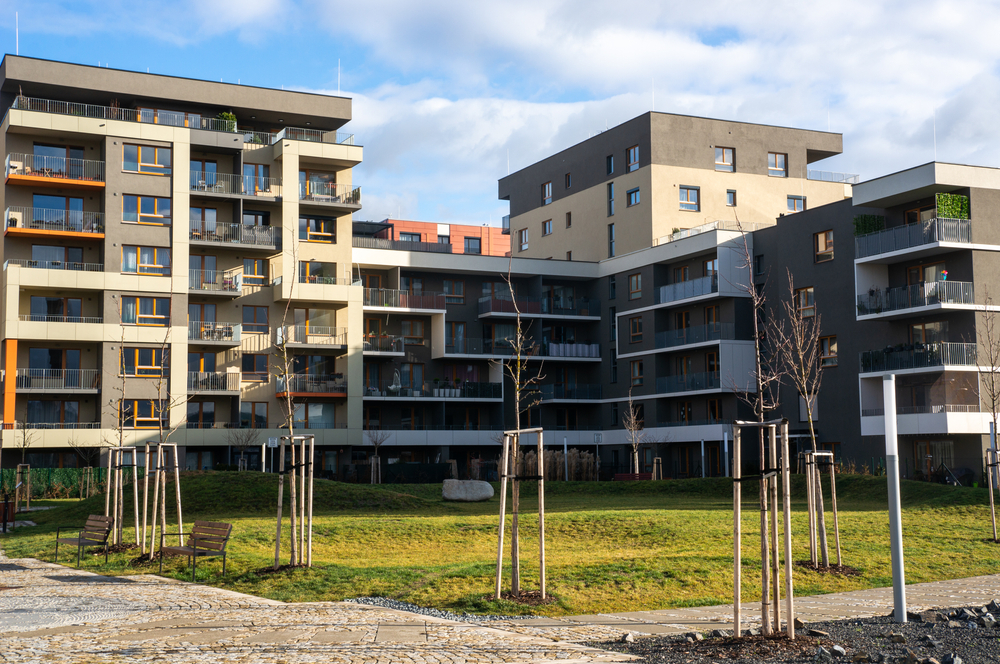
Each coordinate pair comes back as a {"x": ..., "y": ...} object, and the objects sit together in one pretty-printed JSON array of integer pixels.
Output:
[
  {"x": 383, "y": 298},
  {"x": 313, "y": 336},
  {"x": 55, "y": 265},
  {"x": 216, "y": 282},
  {"x": 233, "y": 184},
  {"x": 928, "y": 420},
  {"x": 695, "y": 335},
  {"x": 830, "y": 176},
  {"x": 331, "y": 193},
  {"x": 214, "y": 334},
  {"x": 58, "y": 380},
  {"x": 571, "y": 351},
  {"x": 570, "y": 392},
  {"x": 581, "y": 307},
  {"x": 919, "y": 356},
  {"x": 236, "y": 235},
  {"x": 314, "y": 136},
  {"x": 463, "y": 391},
  {"x": 304, "y": 385},
  {"x": 683, "y": 290},
  {"x": 41, "y": 171},
  {"x": 45, "y": 221},
  {"x": 46, "y": 318},
  {"x": 383, "y": 344},
  {"x": 367, "y": 242},
  {"x": 957, "y": 231},
  {"x": 926, "y": 294},
  {"x": 691, "y": 382},
  {"x": 213, "y": 382}
]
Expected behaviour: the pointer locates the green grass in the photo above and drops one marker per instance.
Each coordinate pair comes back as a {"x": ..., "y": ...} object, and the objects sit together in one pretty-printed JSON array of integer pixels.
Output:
[{"x": 612, "y": 546}]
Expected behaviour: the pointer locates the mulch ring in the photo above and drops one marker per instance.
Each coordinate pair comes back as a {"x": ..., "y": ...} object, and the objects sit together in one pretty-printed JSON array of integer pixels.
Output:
[
  {"x": 776, "y": 648},
  {"x": 142, "y": 560},
  {"x": 525, "y": 597},
  {"x": 838, "y": 570},
  {"x": 266, "y": 571},
  {"x": 122, "y": 548}
]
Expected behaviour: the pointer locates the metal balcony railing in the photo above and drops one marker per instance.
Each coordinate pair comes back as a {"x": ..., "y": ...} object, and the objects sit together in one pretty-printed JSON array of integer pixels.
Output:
[
  {"x": 47, "y": 318},
  {"x": 694, "y": 335},
  {"x": 201, "y": 330},
  {"x": 383, "y": 297},
  {"x": 918, "y": 295},
  {"x": 383, "y": 343},
  {"x": 312, "y": 335},
  {"x": 329, "y": 192},
  {"x": 549, "y": 392},
  {"x": 476, "y": 346},
  {"x": 919, "y": 356},
  {"x": 45, "y": 219},
  {"x": 55, "y": 265},
  {"x": 213, "y": 381},
  {"x": 57, "y": 425},
  {"x": 230, "y": 281},
  {"x": 913, "y": 235},
  {"x": 58, "y": 379},
  {"x": 323, "y": 280},
  {"x": 685, "y": 289},
  {"x": 506, "y": 305},
  {"x": 830, "y": 176},
  {"x": 580, "y": 306},
  {"x": 688, "y": 382},
  {"x": 571, "y": 350},
  {"x": 924, "y": 410},
  {"x": 59, "y": 168},
  {"x": 305, "y": 384},
  {"x": 224, "y": 232},
  {"x": 314, "y": 136},
  {"x": 364, "y": 242},
  {"x": 236, "y": 184},
  {"x": 446, "y": 390}
]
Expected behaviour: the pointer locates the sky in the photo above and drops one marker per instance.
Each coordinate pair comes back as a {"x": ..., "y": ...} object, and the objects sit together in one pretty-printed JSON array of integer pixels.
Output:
[{"x": 450, "y": 96}]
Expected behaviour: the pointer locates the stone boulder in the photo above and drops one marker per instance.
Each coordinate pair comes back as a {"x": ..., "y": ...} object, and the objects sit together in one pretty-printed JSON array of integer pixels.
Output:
[{"x": 467, "y": 491}]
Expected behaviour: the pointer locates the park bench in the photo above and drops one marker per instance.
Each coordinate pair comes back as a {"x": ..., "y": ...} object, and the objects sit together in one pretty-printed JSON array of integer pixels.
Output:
[
  {"x": 207, "y": 538},
  {"x": 632, "y": 477},
  {"x": 94, "y": 533}
]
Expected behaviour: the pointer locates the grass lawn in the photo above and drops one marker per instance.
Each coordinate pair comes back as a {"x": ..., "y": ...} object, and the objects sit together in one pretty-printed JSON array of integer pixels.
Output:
[{"x": 622, "y": 546}]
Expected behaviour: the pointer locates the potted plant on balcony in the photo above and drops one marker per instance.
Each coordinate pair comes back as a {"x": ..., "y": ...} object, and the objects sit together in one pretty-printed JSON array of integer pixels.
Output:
[
  {"x": 437, "y": 390},
  {"x": 458, "y": 387}
]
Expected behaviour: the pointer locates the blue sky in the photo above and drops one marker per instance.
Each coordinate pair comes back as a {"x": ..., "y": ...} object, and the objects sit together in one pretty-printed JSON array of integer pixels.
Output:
[{"x": 446, "y": 94}]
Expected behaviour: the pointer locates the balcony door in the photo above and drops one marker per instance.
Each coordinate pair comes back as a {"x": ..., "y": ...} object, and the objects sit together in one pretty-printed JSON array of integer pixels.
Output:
[
  {"x": 55, "y": 364},
  {"x": 202, "y": 270}
]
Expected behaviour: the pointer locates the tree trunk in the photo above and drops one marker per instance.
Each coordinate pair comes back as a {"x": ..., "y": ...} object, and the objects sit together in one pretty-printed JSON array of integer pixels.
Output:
[{"x": 820, "y": 509}]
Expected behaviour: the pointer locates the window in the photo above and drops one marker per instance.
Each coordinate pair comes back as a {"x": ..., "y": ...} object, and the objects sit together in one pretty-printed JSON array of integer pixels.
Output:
[
  {"x": 56, "y": 309},
  {"x": 146, "y": 210},
  {"x": 569, "y": 255},
  {"x": 710, "y": 268},
  {"x": 635, "y": 329},
  {"x": 522, "y": 239},
  {"x": 253, "y": 414},
  {"x": 609, "y": 164},
  {"x": 254, "y": 319},
  {"x": 758, "y": 264},
  {"x": 632, "y": 159},
  {"x": 204, "y": 175},
  {"x": 805, "y": 302},
  {"x": 632, "y": 197},
  {"x": 918, "y": 214},
  {"x": 203, "y": 224},
  {"x": 569, "y": 180},
  {"x": 824, "y": 246},
  {"x": 145, "y": 361},
  {"x": 724, "y": 159},
  {"x": 409, "y": 237},
  {"x": 828, "y": 351},
  {"x": 611, "y": 199},
  {"x": 714, "y": 410},
  {"x": 685, "y": 411},
  {"x": 255, "y": 367},
  {"x": 146, "y": 260},
  {"x": 612, "y": 289},
  {"x": 635, "y": 286},
  {"x": 254, "y": 272},
  {"x": 611, "y": 240},
  {"x": 318, "y": 229},
  {"x": 635, "y": 370},
  {"x": 612, "y": 316},
  {"x": 547, "y": 227},
  {"x": 681, "y": 274},
  {"x": 731, "y": 197},
  {"x": 413, "y": 332},
  {"x": 146, "y": 159},
  {"x": 711, "y": 363},
  {"x": 796, "y": 203},
  {"x": 201, "y": 362},
  {"x": 146, "y": 311},
  {"x": 53, "y": 412},
  {"x": 712, "y": 315},
  {"x": 546, "y": 193},
  {"x": 58, "y": 212},
  {"x": 569, "y": 220},
  {"x": 614, "y": 414},
  {"x": 614, "y": 366},
  {"x": 412, "y": 375},
  {"x": 444, "y": 239},
  {"x": 143, "y": 414},
  {"x": 317, "y": 272},
  {"x": 473, "y": 245},
  {"x": 454, "y": 291},
  {"x": 200, "y": 414},
  {"x": 253, "y": 218},
  {"x": 689, "y": 199},
  {"x": 777, "y": 165}
]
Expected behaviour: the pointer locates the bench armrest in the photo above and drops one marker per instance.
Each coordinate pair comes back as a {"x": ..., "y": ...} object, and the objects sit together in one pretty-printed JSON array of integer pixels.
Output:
[{"x": 78, "y": 529}]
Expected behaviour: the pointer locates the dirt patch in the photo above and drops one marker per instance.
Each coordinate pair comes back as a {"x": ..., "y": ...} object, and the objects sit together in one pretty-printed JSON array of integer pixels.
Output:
[
  {"x": 838, "y": 570},
  {"x": 122, "y": 548},
  {"x": 526, "y": 597}
]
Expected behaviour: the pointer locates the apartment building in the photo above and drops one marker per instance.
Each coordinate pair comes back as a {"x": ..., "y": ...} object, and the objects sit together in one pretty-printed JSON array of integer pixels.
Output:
[
  {"x": 633, "y": 186},
  {"x": 161, "y": 235},
  {"x": 409, "y": 235}
]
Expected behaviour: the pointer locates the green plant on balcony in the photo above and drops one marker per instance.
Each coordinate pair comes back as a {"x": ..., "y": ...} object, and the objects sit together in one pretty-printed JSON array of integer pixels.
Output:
[
  {"x": 868, "y": 223},
  {"x": 229, "y": 119},
  {"x": 952, "y": 206}
]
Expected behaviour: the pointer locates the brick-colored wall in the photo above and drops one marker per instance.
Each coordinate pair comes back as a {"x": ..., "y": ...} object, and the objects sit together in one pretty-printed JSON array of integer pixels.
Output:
[{"x": 493, "y": 241}]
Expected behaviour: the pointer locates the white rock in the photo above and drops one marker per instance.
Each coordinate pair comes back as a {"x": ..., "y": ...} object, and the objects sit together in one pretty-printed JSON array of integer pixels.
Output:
[{"x": 467, "y": 491}]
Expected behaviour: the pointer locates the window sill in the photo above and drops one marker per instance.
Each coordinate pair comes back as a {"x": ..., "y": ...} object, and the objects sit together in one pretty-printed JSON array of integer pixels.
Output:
[{"x": 145, "y": 173}]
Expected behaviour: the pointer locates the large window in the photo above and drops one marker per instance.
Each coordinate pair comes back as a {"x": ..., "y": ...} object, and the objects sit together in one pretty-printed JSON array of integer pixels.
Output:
[
  {"x": 254, "y": 367},
  {"x": 317, "y": 229},
  {"x": 725, "y": 159},
  {"x": 254, "y": 271},
  {"x": 145, "y": 361},
  {"x": 204, "y": 175},
  {"x": 146, "y": 260},
  {"x": 412, "y": 375},
  {"x": 53, "y": 412},
  {"x": 413, "y": 332},
  {"x": 254, "y": 319},
  {"x": 154, "y": 311},
  {"x": 56, "y": 309},
  {"x": 828, "y": 351},
  {"x": 473, "y": 245},
  {"x": 409, "y": 237},
  {"x": 805, "y": 302},
  {"x": 777, "y": 164},
  {"x": 689, "y": 199},
  {"x": 454, "y": 291},
  {"x": 143, "y": 414},
  {"x": 146, "y": 209},
  {"x": 200, "y": 414},
  {"x": 635, "y": 286},
  {"x": 824, "y": 246},
  {"x": 635, "y": 329},
  {"x": 635, "y": 369},
  {"x": 317, "y": 272},
  {"x": 253, "y": 414},
  {"x": 546, "y": 193},
  {"x": 632, "y": 159},
  {"x": 57, "y": 213},
  {"x": 146, "y": 159},
  {"x": 522, "y": 239}
]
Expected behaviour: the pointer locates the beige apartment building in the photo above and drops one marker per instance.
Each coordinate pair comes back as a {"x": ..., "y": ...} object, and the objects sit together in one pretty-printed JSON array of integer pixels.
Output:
[{"x": 637, "y": 184}]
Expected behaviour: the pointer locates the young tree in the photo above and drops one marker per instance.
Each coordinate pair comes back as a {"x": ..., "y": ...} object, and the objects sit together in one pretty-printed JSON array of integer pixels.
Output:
[
  {"x": 377, "y": 438},
  {"x": 988, "y": 348},
  {"x": 242, "y": 440},
  {"x": 633, "y": 422}
]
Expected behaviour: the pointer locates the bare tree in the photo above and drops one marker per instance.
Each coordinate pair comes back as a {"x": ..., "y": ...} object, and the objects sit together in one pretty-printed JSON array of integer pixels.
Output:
[
  {"x": 377, "y": 438},
  {"x": 633, "y": 422},
  {"x": 24, "y": 439},
  {"x": 242, "y": 440},
  {"x": 988, "y": 348}
]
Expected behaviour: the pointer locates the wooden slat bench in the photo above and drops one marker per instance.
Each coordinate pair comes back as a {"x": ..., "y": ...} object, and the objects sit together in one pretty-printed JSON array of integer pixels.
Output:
[
  {"x": 95, "y": 533},
  {"x": 208, "y": 538},
  {"x": 632, "y": 477}
]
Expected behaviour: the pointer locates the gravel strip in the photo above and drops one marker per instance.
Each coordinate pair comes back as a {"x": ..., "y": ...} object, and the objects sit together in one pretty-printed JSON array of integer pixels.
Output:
[{"x": 387, "y": 603}]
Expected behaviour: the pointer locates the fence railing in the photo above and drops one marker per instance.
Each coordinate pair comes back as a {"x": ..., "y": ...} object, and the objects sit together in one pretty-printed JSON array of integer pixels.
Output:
[
  {"x": 46, "y": 219},
  {"x": 200, "y": 330},
  {"x": 313, "y": 335},
  {"x": 917, "y": 295},
  {"x": 685, "y": 289},
  {"x": 329, "y": 192},
  {"x": 58, "y": 379},
  {"x": 230, "y": 281},
  {"x": 229, "y": 232},
  {"x": 55, "y": 265},
  {"x": 213, "y": 381},
  {"x": 335, "y": 384},
  {"x": 913, "y": 235},
  {"x": 59, "y": 168},
  {"x": 47, "y": 318},
  {"x": 235, "y": 183},
  {"x": 688, "y": 382},
  {"x": 831, "y": 176},
  {"x": 382, "y": 343},
  {"x": 383, "y": 297},
  {"x": 549, "y": 392},
  {"x": 694, "y": 335},
  {"x": 364, "y": 242},
  {"x": 919, "y": 356}
]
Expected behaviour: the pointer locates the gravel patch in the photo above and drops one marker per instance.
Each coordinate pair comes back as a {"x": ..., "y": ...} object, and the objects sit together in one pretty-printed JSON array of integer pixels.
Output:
[{"x": 396, "y": 605}]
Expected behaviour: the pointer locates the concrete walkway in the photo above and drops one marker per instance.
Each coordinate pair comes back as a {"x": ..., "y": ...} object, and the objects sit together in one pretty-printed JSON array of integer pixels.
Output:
[{"x": 51, "y": 613}]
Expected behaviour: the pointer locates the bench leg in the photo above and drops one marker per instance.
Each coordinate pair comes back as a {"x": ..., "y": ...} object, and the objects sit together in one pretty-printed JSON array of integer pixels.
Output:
[
  {"x": 161, "y": 560},
  {"x": 223, "y": 564},
  {"x": 194, "y": 566},
  {"x": 57, "y": 552},
  {"x": 105, "y": 554},
  {"x": 79, "y": 550}
]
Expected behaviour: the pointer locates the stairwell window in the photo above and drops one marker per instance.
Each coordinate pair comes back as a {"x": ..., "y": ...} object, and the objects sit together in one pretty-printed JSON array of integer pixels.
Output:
[
  {"x": 146, "y": 210},
  {"x": 144, "y": 414},
  {"x": 611, "y": 199},
  {"x": 146, "y": 159},
  {"x": 611, "y": 240},
  {"x": 689, "y": 199},
  {"x": 635, "y": 286},
  {"x": 145, "y": 361},
  {"x": 635, "y": 367}
]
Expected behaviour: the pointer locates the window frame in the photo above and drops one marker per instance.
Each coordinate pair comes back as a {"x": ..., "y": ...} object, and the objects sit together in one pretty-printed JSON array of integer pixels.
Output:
[
  {"x": 805, "y": 309},
  {"x": 609, "y": 164},
  {"x": 569, "y": 180},
  {"x": 684, "y": 198},
  {"x": 826, "y": 357},
  {"x": 143, "y": 218},
  {"x": 635, "y": 286},
  {"x": 522, "y": 239},
  {"x": 611, "y": 199},
  {"x": 139, "y": 316},
  {"x": 152, "y": 420},
  {"x": 611, "y": 240},
  {"x": 632, "y": 159},
  {"x": 612, "y": 287},
  {"x": 826, "y": 253},
  {"x": 479, "y": 249},
  {"x": 406, "y": 236},
  {"x": 148, "y": 269},
  {"x": 546, "y": 227},
  {"x": 457, "y": 296},
  {"x": 255, "y": 326},
  {"x": 547, "y": 193},
  {"x": 158, "y": 367},
  {"x": 613, "y": 367},
  {"x": 326, "y": 229},
  {"x": 636, "y": 373},
  {"x": 635, "y": 329},
  {"x": 730, "y": 198},
  {"x": 254, "y": 375},
  {"x": 725, "y": 166},
  {"x": 412, "y": 331},
  {"x": 632, "y": 197},
  {"x": 774, "y": 170},
  {"x": 613, "y": 317},
  {"x": 251, "y": 422},
  {"x": 793, "y": 202},
  {"x": 139, "y": 163},
  {"x": 253, "y": 277}
]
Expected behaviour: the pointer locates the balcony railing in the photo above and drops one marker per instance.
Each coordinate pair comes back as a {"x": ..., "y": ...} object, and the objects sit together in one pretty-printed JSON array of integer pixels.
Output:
[
  {"x": 580, "y": 306},
  {"x": 59, "y": 168},
  {"x": 313, "y": 335},
  {"x": 55, "y": 265},
  {"x": 830, "y": 176},
  {"x": 465, "y": 390},
  {"x": 365, "y": 242},
  {"x": 383, "y": 297},
  {"x": 549, "y": 392},
  {"x": 505, "y": 305},
  {"x": 213, "y": 381},
  {"x": 303, "y": 384},
  {"x": 913, "y": 235},
  {"x": 685, "y": 289},
  {"x": 688, "y": 382},
  {"x": 924, "y": 410},
  {"x": 234, "y": 183},
  {"x": 329, "y": 192},
  {"x": 46, "y": 318},
  {"x": 571, "y": 350},
  {"x": 919, "y": 356},
  {"x": 229, "y": 233},
  {"x": 57, "y": 425},
  {"x": 230, "y": 281},
  {"x": 694, "y": 335},
  {"x": 58, "y": 379},
  {"x": 917, "y": 295},
  {"x": 476, "y": 346},
  {"x": 382, "y": 343},
  {"x": 314, "y": 136},
  {"x": 63, "y": 221},
  {"x": 201, "y": 330},
  {"x": 320, "y": 279}
]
